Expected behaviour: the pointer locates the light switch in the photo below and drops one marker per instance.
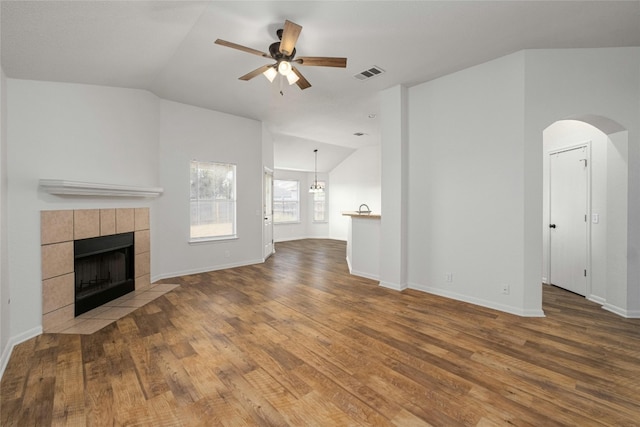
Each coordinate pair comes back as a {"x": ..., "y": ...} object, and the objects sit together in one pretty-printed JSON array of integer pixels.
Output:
[{"x": 595, "y": 218}]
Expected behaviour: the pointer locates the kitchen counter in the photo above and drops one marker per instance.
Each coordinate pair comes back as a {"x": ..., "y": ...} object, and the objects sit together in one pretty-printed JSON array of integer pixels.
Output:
[
  {"x": 361, "y": 215},
  {"x": 363, "y": 244}
]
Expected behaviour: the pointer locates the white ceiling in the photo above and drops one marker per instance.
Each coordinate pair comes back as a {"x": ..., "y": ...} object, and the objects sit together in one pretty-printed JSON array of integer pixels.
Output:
[{"x": 167, "y": 47}]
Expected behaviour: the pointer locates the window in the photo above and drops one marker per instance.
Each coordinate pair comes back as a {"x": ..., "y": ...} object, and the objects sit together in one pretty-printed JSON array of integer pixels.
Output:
[
  {"x": 286, "y": 201},
  {"x": 213, "y": 200},
  {"x": 319, "y": 204}
]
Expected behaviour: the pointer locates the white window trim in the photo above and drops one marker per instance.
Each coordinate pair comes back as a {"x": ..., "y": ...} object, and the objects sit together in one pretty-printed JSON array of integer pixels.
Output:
[
  {"x": 299, "y": 220},
  {"x": 206, "y": 240},
  {"x": 215, "y": 239},
  {"x": 326, "y": 210}
]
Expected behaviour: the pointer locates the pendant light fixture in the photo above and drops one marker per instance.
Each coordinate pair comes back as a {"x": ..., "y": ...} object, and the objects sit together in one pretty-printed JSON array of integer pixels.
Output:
[{"x": 316, "y": 188}]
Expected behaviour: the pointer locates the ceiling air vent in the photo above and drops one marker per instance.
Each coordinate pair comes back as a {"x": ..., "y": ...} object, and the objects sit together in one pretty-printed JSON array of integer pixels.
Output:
[{"x": 369, "y": 73}]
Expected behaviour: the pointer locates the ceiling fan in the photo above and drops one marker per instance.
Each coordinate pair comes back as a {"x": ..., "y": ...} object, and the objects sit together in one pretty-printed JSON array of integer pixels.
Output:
[{"x": 284, "y": 52}]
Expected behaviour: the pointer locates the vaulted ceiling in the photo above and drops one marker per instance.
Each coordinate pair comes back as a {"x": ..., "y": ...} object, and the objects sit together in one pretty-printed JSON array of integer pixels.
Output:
[{"x": 167, "y": 47}]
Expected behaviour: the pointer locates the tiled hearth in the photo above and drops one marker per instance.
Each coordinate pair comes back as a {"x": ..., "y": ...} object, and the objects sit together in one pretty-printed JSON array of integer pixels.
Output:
[
  {"x": 96, "y": 319},
  {"x": 58, "y": 231}
]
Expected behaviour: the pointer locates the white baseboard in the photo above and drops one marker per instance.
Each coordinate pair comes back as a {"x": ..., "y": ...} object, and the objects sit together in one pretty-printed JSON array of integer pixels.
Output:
[
  {"x": 363, "y": 274},
  {"x": 290, "y": 239},
  {"x": 287, "y": 239},
  {"x": 629, "y": 314},
  {"x": 14, "y": 341},
  {"x": 597, "y": 299},
  {"x": 360, "y": 273},
  {"x": 518, "y": 311},
  {"x": 395, "y": 286},
  {"x": 204, "y": 270}
]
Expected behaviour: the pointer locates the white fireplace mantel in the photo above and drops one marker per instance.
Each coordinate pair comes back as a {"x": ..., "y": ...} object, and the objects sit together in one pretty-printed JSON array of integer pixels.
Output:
[{"x": 78, "y": 188}]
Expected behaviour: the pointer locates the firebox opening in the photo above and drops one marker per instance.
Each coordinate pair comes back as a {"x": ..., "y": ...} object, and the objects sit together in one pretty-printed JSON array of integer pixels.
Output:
[{"x": 104, "y": 270}]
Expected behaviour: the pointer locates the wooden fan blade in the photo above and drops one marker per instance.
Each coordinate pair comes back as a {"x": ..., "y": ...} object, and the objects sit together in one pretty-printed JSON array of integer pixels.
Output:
[
  {"x": 321, "y": 61},
  {"x": 302, "y": 82},
  {"x": 255, "y": 72},
  {"x": 290, "y": 36},
  {"x": 242, "y": 48}
]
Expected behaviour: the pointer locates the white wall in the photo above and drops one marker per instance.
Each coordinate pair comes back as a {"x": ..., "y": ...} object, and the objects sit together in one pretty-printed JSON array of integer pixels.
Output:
[
  {"x": 567, "y": 133},
  {"x": 306, "y": 228},
  {"x": 188, "y": 133},
  {"x": 617, "y": 218},
  {"x": 71, "y": 132},
  {"x": 476, "y": 172},
  {"x": 466, "y": 196},
  {"x": 566, "y": 83},
  {"x": 114, "y": 135},
  {"x": 394, "y": 150},
  {"x": 267, "y": 147},
  {"x": 5, "y": 319},
  {"x": 355, "y": 181}
]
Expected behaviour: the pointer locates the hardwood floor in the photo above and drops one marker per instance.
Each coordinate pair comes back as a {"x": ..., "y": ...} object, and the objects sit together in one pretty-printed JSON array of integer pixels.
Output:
[{"x": 298, "y": 341}]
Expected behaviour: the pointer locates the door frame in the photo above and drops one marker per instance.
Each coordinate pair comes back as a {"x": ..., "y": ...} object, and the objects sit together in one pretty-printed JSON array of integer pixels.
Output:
[
  {"x": 267, "y": 171},
  {"x": 587, "y": 145}
]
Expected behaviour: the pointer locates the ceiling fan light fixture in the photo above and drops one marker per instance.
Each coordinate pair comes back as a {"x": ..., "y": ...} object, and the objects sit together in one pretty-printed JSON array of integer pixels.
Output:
[
  {"x": 284, "y": 55},
  {"x": 270, "y": 74},
  {"x": 292, "y": 78},
  {"x": 284, "y": 68}
]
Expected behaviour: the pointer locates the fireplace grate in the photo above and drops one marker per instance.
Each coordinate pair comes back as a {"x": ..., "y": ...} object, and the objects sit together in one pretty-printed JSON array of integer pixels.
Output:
[{"x": 104, "y": 270}]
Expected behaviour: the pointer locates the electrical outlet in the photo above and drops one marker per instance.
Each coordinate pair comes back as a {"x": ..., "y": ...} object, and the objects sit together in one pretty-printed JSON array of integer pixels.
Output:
[
  {"x": 448, "y": 277},
  {"x": 505, "y": 289}
]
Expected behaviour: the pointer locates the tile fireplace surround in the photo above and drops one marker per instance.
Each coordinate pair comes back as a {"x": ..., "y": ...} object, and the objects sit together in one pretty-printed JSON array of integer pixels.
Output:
[{"x": 58, "y": 230}]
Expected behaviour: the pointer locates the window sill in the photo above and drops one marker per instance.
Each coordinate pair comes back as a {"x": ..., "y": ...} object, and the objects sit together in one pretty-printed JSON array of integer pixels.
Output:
[
  {"x": 206, "y": 240},
  {"x": 287, "y": 223}
]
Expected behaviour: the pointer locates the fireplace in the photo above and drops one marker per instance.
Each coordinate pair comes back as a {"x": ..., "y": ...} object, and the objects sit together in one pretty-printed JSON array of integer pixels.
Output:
[
  {"x": 104, "y": 270},
  {"x": 59, "y": 231}
]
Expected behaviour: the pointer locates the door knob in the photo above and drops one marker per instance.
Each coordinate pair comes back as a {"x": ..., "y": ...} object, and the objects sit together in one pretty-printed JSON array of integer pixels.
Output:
[{"x": 552, "y": 226}]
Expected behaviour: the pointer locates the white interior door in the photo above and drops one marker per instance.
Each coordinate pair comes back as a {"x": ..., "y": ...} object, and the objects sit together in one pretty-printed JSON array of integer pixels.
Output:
[
  {"x": 268, "y": 214},
  {"x": 568, "y": 219}
]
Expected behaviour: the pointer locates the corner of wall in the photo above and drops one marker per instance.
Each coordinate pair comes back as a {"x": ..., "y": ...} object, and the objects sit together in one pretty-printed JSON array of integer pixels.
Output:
[
  {"x": 5, "y": 313},
  {"x": 14, "y": 341},
  {"x": 267, "y": 147}
]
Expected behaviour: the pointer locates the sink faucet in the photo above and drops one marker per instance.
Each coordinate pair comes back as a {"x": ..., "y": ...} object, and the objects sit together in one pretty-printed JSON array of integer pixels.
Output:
[{"x": 360, "y": 210}]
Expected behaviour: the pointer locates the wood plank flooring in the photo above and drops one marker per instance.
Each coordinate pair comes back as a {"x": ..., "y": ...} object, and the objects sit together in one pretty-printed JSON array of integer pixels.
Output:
[{"x": 298, "y": 341}]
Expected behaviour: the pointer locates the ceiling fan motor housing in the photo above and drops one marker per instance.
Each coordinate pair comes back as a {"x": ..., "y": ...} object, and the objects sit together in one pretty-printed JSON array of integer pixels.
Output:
[{"x": 274, "y": 51}]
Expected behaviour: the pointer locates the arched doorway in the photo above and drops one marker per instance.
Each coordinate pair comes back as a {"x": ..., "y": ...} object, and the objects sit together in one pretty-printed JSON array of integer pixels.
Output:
[{"x": 604, "y": 144}]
